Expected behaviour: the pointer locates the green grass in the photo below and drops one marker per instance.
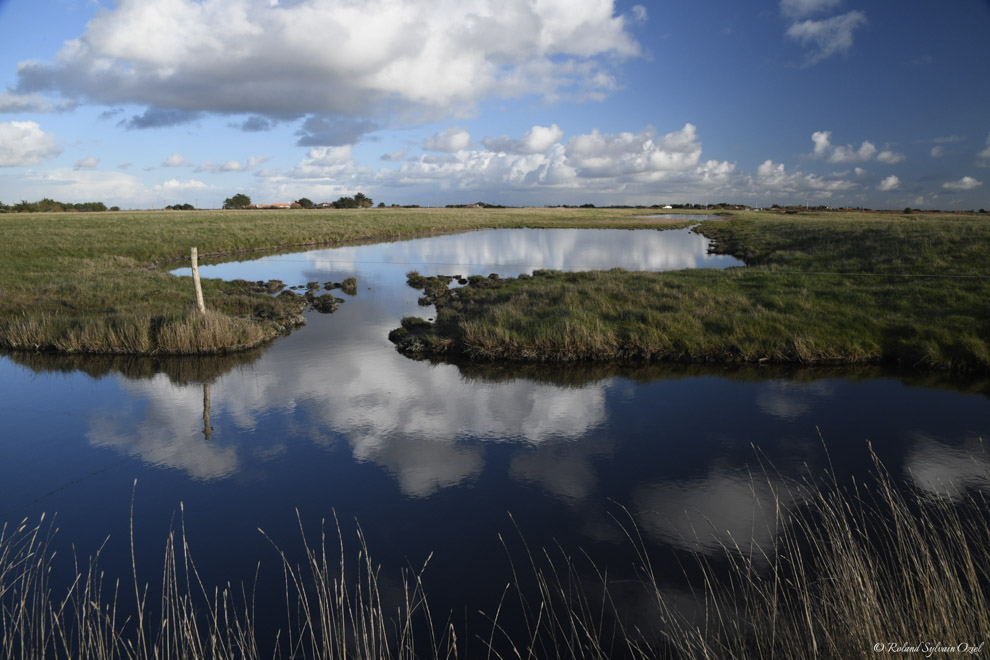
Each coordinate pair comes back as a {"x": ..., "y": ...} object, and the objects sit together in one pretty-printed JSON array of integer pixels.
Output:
[
  {"x": 95, "y": 282},
  {"x": 827, "y": 289}
]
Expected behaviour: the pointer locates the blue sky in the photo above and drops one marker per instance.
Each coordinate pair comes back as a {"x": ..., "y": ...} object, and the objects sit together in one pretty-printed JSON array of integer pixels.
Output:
[{"x": 884, "y": 104}]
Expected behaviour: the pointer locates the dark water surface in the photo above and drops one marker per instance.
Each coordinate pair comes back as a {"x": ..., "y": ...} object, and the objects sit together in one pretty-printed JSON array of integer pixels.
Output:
[{"x": 434, "y": 458}]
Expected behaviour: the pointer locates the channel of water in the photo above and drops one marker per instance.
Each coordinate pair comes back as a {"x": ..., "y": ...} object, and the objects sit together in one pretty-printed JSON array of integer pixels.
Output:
[{"x": 434, "y": 458}]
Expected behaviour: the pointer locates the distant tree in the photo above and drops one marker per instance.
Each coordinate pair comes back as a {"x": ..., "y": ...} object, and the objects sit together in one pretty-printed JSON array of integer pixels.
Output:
[
  {"x": 114, "y": 208},
  {"x": 381, "y": 205},
  {"x": 359, "y": 201},
  {"x": 238, "y": 201},
  {"x": 305, "y": 202}
]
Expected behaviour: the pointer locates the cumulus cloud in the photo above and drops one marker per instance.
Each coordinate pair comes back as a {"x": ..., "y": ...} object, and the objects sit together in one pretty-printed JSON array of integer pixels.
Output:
[
  {"x": 32, "y": 103},
  {"x": 622, "y": 154},
  {"x": 890, "y": 157},
  {"x": 890, "y": 183},
  {"x": 159, "y": 118},
  {"x": 256, "y": 124},
  {"x": 395, "y": 156},
  {"x": 88, "y": 163},
  {"x": 183, "y": 57},
  {"x": 595, "y": 164},
  {"x": 176, "y": 184},
  {"x": 803, "y": 8},
  {"x": 965, "y": 183},
  {"x": 450, "y": 140},
  {"x": 175, "y": 160},
  {"x": 82, "y": 186},
  {"x": 829, "y": 36},
  {"x": 985, "y": 154},
  {"x": 850, "y": 154},
  {"x": 774, "y": 178},
  {"x": 537, "y": 140},
  {"x": 233, "y": 165},
  {"x": 24, "y": 143},
  {"x": 333, "y": 131}
]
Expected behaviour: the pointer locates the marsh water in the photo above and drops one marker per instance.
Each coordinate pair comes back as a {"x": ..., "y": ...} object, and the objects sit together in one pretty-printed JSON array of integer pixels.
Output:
[{"x": 442, "y": 458}]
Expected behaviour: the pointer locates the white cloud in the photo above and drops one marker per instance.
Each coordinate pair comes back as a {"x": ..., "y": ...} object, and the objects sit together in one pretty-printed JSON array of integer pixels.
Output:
[
  {"x": 849, "y": 154},
  {"x": 985, "y": 154},
  {"x": 415, "y": 56},
  {"x": 890, "y": 157},
  {"x": 965, "y": 183},
  {"x": 175, "y": 160},
  {"x": 83, "y": 186},
  {"x": 537, "y": 140},
  {"x": 598, "y": 155},
  {"x": 31, "y": 103},
  {"x": 937, "y": 151},
  {"x": 232, "y": 165},
  {"x": 802, "y": 8},
  {"x": 451, "y": 140},
  {"x": 395, "y": 156},
  {"x": 773, "y": 178},
  {"x": 828, "y": 36},
  {"x": 176, "y": 184},
  {"x": 24, "y": 143},
  {"x": 890, "y": 183},
  {"x": 87, "y": 163}
]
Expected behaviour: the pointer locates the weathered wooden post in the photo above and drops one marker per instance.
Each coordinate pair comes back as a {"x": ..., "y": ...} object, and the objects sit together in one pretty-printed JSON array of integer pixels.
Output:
[
  {"x": 199, "y": 289},
  {"x": 207, "y": 427}
]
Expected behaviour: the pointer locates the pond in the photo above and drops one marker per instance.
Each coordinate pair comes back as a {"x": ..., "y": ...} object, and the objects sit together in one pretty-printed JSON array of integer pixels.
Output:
[{"x": 439, "y": 460}]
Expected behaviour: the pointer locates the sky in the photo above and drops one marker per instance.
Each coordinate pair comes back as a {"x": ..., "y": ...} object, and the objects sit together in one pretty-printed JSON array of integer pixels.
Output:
[{"x": 141, "y": 103}]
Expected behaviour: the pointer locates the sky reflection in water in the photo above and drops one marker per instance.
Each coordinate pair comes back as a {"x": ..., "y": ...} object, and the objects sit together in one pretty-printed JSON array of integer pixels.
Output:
[{"x": 452, "y": 449}]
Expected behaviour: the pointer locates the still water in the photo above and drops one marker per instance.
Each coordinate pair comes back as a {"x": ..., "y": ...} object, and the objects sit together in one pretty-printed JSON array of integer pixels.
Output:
[{"x": 434, "y": 458}]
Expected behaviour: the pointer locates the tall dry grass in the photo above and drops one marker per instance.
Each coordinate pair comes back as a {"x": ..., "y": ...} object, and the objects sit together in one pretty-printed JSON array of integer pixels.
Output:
[{"x": 857, "y": 567}]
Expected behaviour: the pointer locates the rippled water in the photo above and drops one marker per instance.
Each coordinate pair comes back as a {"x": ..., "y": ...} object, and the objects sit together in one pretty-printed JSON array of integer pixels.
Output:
[{"x": 434, "y": 458}]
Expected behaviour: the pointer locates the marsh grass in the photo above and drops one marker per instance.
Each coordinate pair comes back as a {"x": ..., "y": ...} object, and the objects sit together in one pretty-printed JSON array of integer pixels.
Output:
[
  {"x": 818, "y": 291},
  {"x": 856, "y": 565},
  {"x": 89, "y": 282}
]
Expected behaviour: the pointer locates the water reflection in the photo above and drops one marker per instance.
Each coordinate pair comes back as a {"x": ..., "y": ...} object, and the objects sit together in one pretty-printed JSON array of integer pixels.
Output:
[
  {"x": 506, "y": 251},
  {"x": 431, "y": 456}
]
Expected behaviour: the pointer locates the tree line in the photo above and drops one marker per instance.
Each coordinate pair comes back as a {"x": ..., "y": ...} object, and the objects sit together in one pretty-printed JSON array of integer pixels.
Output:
[
  {"x": 47, "y": 205},
  {"x": 358, "y": 201}
]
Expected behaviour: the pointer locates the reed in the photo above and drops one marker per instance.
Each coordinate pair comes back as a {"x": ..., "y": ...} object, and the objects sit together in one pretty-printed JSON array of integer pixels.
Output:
[{"x": 856, "y": 567}]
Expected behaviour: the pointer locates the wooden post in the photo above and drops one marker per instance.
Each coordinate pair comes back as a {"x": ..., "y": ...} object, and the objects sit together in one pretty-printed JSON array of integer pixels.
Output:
[
  {"x": 199, "y": 289},
  {"x": 207, "y": 427}
]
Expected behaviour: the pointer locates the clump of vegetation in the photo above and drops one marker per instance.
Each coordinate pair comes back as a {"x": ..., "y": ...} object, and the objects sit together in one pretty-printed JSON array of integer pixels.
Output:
[
  {"x": 325, "y": 304},
  {"x": 349, "y": 286},
  {"x": 47, "y": 205},
  {"x": 238, "y": 201},
  {"x": 828, "y": 290}
]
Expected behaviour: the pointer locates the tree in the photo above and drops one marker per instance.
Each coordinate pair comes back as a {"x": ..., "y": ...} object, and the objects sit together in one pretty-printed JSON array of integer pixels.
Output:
[
  {"x": 305, "y": 202},
  {"x": 363, "y": 201},
  {"x": 238, "y": 201}
]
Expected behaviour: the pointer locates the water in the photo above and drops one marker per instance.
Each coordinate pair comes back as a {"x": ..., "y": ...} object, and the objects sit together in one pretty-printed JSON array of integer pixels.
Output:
[{"x": 434, "y": 458}]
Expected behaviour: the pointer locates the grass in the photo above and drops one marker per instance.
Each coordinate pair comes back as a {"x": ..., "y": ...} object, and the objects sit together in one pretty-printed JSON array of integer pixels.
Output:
[
  {"x": 94, "y": 282},
  {"x": 818, "y": 289},
  {"x": 856, "y": 565}
]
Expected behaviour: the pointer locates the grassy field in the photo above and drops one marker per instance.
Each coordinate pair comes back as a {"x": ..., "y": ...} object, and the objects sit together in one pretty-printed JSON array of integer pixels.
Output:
[
  {"x": 95, "y": 282},
  {"x": 819, "y": 288}
]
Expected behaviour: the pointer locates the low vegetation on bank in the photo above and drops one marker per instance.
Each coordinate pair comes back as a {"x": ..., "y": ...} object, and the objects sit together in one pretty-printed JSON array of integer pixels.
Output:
[
  {"x": 97, "y": 282},
  {"x": 817, "y": 289},
  {"x": 855, "y": 568}
]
